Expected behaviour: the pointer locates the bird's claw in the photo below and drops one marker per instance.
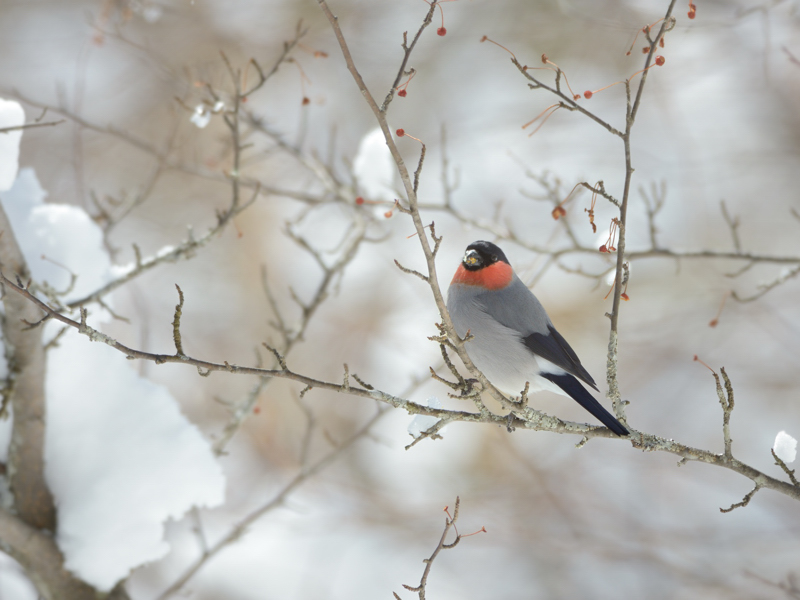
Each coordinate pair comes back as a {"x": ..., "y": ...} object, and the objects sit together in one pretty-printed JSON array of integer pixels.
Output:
[
  {"x": 510, "y": 423},
  {"x": 470, "y": 388}
]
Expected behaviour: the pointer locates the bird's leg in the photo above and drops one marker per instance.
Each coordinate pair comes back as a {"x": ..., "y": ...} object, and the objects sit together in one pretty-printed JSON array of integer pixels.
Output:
[
  {"x": 523, "y": 398},
  {"x": 471, "y": 387},
  {"x": 522, "y": 403},
  {"x": 510, "y": 423}
]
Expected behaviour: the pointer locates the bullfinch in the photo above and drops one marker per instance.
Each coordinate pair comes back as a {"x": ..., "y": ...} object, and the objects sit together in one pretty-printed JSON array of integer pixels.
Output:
[{"x": 514, "y": 341}]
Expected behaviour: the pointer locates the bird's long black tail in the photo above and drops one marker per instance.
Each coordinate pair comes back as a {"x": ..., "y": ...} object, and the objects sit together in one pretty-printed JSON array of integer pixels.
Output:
[{"x": 577, "y": 392}]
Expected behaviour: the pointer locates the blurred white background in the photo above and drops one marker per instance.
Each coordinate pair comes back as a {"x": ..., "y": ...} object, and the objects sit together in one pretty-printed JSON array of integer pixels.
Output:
[{"x": 719, "y": 121}]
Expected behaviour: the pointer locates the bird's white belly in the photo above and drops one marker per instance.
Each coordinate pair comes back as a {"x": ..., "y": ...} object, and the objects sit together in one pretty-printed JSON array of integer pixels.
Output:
[{"x": 508, "y": 364}]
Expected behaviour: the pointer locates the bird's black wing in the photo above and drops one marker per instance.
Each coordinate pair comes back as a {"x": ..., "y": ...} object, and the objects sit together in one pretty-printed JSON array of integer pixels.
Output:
[{"x": 553, "y": 347}]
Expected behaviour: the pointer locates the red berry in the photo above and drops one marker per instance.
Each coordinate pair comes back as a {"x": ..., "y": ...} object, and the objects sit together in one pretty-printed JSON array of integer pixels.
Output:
[
  {"x": 558, "y": 211},
  {"x": 660, "y": 60},
  {"x": 587, "y": 94},
  {"x": 441, "y": 31},
  {"x": 603, "y": 248},
  {"x": 624, "y": 296},
  {"x": 400, "y": 132},
  {"x": 692, "y": 14},
  {"x": 359, "y": 200},
  {"x": 388, "y": 214},
  {"x": 402, "y": 93},
  {"x": 646, "y": 50}
]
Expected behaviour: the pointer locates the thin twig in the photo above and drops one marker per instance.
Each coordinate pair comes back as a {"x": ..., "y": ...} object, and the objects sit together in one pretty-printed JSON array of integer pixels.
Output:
[
  {"x": 407, "y": 50},
  {"x": 790, "y": 472},
  {"x": 745, "y": 501},
  {"x": 30, "y": 126},
  {"x": 176, "y": 323},
  {"x": 449, "y": 523}
]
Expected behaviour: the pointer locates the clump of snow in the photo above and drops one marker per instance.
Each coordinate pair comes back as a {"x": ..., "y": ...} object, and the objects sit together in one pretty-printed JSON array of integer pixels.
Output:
[
  {"x": 120, "y": 458},
  {"x": 785, "y": 447},
  {"x": 201, "y": 116},
  {"x": 123, "y": 270},
  {"x": 375, "y": 170},
  {"x": 421, "y": 423},
  {"x": 11, "y": 115},
  {"x": 165, "y": 250}
]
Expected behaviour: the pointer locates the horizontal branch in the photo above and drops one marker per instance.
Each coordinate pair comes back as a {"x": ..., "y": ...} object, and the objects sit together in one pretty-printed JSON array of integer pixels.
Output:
[
  {"x": 715, "y": 254},
  {"x": 539, "y": 421},
  {"x": 526, "y": 418},
  {"x": 504, "y": 233}
]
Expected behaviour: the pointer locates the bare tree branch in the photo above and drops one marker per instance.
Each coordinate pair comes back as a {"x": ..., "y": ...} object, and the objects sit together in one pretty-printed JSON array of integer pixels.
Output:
[
  {"x": 38, "y": 554},
  {"x": 26, "y": 362}
]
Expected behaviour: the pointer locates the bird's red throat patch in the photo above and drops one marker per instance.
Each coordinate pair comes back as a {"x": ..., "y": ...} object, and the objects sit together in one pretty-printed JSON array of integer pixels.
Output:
[{"x": 493, "y": 277}]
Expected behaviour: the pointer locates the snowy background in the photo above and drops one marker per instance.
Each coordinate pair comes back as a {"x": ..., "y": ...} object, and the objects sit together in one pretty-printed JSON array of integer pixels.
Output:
[{"x": 129, "y": 444}]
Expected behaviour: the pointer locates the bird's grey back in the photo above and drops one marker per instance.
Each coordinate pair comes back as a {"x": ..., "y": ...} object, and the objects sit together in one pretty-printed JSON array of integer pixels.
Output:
[{"x": 515, "y": 307}]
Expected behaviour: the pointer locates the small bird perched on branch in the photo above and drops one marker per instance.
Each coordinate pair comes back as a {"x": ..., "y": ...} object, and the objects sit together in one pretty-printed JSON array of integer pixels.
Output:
[{"x": 514, "y": 340}]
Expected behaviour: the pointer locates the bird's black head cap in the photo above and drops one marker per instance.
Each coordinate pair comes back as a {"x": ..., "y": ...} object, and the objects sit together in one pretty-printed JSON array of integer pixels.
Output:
[{"x": 482, "y": 254}]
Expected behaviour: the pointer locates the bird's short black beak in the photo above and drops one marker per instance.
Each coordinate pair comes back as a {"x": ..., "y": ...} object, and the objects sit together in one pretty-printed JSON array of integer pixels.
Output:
[{"x": 471, "y": 258}]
